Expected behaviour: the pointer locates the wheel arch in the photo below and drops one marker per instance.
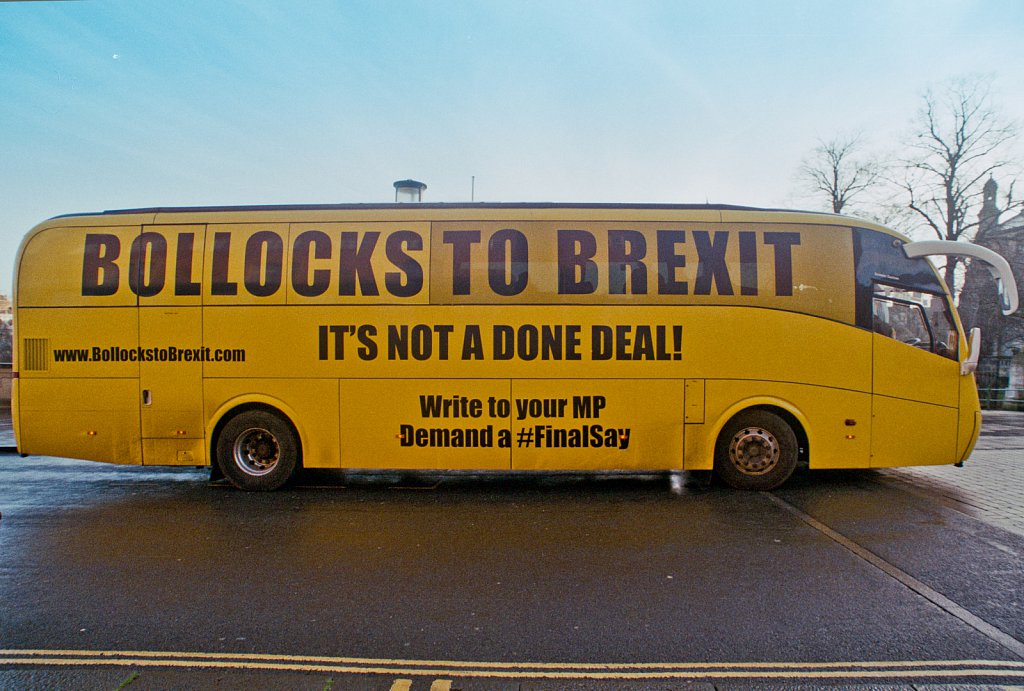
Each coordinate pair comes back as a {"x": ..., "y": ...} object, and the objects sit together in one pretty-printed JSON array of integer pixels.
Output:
[
  {"x": 241, "y": 404},
  {"x": 792, "y": 415}
]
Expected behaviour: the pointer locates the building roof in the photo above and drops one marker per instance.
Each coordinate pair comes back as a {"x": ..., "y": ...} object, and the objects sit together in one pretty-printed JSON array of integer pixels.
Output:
[{"x": 1014, "y": 223}]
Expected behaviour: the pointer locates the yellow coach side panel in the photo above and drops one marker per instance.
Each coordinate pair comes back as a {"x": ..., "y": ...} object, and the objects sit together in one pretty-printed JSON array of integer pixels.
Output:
[
  {"x": 919, "y": 387},
  {"x": 75, "y": 395},
  {"x": 363, "y": 323},
  {"x": 544, "y": 307},
  {"x": 94, "y": 419}
]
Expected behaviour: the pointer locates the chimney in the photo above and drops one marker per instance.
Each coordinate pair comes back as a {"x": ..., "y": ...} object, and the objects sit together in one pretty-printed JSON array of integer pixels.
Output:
[{"x": 409, "y": 191}]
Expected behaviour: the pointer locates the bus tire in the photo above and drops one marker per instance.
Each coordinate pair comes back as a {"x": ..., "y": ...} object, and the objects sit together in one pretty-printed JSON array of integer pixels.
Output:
[
  {"x": 756, "y": 450},
  {"x": 257, "y": 451}
]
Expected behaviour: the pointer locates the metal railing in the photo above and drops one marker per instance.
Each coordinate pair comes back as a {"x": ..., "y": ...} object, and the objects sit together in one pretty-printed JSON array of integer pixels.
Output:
[{"x": 996, "y": 387}]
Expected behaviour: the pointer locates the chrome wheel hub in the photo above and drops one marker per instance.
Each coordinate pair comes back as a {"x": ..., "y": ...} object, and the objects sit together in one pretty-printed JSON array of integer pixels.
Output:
[
  {"x": 754, "y": 451},
  {"x": 257, "y": 451}
]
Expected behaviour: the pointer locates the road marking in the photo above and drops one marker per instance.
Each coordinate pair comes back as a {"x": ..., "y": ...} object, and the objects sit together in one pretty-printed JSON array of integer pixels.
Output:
[
  {"x": 974, "y": 621},
  {"x": 919, "y": 669},
  {"x": 512, "y": 665},
  {"x": 406, "y": 685}
]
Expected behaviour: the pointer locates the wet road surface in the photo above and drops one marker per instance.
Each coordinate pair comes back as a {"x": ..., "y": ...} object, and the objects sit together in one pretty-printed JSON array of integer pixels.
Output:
[{"x": 154, "y": 578}]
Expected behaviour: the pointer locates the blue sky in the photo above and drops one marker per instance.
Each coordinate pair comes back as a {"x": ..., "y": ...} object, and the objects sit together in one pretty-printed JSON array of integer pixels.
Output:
[{"x": 125, "y": 104}]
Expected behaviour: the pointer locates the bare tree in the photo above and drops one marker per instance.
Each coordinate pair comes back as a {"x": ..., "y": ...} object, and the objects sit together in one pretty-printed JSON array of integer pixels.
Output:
[
  {"x": 958, "y": 142},
  {"x": 839, "y": 170}
]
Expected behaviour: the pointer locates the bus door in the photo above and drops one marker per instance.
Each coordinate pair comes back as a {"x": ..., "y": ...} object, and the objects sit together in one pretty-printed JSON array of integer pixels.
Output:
[
  {"x": 916, "y": 378},
  {"x": 171, "y": 349}
]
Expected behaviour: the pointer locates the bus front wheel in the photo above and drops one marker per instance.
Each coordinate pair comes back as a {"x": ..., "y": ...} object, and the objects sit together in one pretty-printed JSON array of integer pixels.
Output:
[
  {"x": 756, "y": 450},
  {"x": 257, "y": 451}
]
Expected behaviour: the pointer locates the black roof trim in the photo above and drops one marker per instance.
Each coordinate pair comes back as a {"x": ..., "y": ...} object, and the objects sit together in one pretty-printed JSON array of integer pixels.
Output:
[{"x": 438, "y": 205}]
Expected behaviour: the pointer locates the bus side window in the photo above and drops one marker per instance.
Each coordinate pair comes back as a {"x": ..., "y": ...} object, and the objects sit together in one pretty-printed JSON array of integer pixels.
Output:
[
  {"x": 946, "y": 339},
  {"x": 880, "y": 318},
  {"x": 917, "y": 319},
  {"x": 902, "y": 321}
]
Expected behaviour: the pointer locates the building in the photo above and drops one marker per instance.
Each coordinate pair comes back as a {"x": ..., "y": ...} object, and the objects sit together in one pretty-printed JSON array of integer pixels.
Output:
[
  {"x": 1001, "y": 371},
  {"x": 6, "y": 332}
]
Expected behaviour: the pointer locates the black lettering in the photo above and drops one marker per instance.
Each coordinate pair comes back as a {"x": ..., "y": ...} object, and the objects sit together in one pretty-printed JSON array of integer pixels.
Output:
[
  {"x": 601, "y": 342},
  {"x": 783, "y": 243},
  {"x": 339, "y": 331},
  {"x": 626, "y": 249},
  {"x": 572, "y": 342},
  {"x": 643, "y": 348},
  {"x": 419, "y": 340},
  {"x": 577, "y": 272},
  {"x": 472, "y": 343},
  {"x": 711, "y": 266},
  {"x": 355, "y": 263},
  {"x": 368, "y": 346},
  {"x": 431, "y": 406},
  {"x": 219, "y": 283},
  {"x": 305, "y": 283},
  {"x": 551, "y": 343},
  {"x": 405, "y": 435},
  {"x": 622, "y": 342},
  {"x": 183, "y": 283},
  {"x": 398, "y": 342},
  {"x": 444, "y": 332},
  {"x": 504, "y": 342},
  {"x": 147, "y": 265},
  {"x": 422, "y": 342},
  {"x": 462, "y": 242},
  {"x": 408, "y": 280},
  {"x": 527, "y": 342},
  {"x": 508, "y": 262},
  {"x": 748, "y": 263},
  {"x": 669, "y": 262},
  {"x": 264, "y": 261},
  {"x": 100, "y": 275}
]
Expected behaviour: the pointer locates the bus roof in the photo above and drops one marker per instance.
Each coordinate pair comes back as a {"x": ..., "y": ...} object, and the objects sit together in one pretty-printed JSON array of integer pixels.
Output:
[
  {"x": 481, "y": 211},
  {"x": 444, "y": 205}
]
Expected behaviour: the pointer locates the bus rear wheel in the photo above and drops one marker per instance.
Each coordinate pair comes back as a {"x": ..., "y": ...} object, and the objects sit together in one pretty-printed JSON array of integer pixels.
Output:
[
  {"x": 257, "y": 451},
  {"x": 756, "y": 450}
]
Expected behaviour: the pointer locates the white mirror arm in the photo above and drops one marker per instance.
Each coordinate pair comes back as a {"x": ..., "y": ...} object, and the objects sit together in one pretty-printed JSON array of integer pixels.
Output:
[
  {"x": 974, "y": 343},
  {"x": 997, "y": 266}
]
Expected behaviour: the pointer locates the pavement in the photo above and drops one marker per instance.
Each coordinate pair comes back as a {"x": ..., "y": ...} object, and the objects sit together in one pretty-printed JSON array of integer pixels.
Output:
[
  {"x": 81, "y": 579},
  {"x": 989, "y": 486}
]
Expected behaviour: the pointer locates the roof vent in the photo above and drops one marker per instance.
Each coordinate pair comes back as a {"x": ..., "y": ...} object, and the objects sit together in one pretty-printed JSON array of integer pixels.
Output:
[{"x": 409, "y": 191}]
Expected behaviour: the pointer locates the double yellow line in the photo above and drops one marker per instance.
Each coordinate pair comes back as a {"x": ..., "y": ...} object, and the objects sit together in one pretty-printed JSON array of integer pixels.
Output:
[{"x": 623, "y": 671}]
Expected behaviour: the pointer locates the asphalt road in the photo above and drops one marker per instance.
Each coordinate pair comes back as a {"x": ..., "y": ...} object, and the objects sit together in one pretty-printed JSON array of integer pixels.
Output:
[{"x": 144, "y": 578}]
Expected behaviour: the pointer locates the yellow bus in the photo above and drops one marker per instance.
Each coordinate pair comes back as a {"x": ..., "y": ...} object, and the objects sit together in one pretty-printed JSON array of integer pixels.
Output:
[{"x": 543, "y": 337}]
